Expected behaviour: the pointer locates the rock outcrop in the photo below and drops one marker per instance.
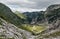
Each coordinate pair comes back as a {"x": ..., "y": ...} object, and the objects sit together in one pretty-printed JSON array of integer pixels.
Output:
[{"x": 10, "y": 31}]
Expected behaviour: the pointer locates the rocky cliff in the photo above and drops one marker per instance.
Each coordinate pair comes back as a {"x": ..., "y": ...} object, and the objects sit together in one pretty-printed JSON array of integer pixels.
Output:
[{"x": 52, "y": 16}]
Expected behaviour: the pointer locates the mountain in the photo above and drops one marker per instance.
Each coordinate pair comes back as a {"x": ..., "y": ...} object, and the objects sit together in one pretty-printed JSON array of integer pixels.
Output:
[
  {"x": 35, "y": 17},
  {"x": 52, "y": 16},
  {"x": 9, "y": 16},
  {"x": 53, "y": 13}
]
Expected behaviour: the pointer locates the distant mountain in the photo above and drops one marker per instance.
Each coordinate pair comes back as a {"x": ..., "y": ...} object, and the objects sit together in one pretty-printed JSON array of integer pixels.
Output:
[{"x": 35, "y": 17}]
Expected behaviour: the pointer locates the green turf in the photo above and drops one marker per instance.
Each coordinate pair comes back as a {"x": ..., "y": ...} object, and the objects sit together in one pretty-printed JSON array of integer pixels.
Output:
[{"x": 35, "y": 29}]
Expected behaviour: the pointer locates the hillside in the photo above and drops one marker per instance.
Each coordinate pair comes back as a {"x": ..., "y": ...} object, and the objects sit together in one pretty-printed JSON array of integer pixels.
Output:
[
  {"x": 52, "y": 15},
  {"x": 9, "y": 16},
  {"x": 22, "y": 16}
]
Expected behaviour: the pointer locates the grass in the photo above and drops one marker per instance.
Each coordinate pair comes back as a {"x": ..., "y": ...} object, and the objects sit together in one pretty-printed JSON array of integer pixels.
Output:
[
  {"x": 35, "y": 29},
  {"x": 20, "y": 15}
]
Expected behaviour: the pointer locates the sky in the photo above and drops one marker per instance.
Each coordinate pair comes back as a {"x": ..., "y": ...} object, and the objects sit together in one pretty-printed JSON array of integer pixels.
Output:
[{"x": 29, "y": 5}]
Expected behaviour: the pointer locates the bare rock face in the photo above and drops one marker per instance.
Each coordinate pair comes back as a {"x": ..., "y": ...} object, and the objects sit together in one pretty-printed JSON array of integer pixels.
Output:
[
  {"x": 53, "y": 17},
  {"x": 53, "y": 13},
  {"x": 10, "y": 31}
]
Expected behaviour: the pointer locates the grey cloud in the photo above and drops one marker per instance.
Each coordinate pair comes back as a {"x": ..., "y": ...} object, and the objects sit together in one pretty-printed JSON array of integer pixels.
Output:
[
  {"x": 38, "y": 4},
  {"x": 44, "y": 3}
]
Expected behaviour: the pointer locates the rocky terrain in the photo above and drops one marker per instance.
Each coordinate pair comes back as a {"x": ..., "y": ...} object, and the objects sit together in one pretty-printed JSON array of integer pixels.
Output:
[
  {"x": 35, "y": 17},
  {"x": 41, "y": 25},
  {"x": 10, "y": 31}
]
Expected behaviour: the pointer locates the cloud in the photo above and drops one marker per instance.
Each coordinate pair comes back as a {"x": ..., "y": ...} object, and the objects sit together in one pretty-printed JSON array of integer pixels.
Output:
[
  {"x": 29, "y": 5},
  {"x": 21, "y": 9}
]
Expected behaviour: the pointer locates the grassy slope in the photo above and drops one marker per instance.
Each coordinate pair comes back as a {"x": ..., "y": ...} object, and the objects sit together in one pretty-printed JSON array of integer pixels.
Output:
[
  {"x": 35, "y": 29},
  {"x": 9, "y": 16},
  {"x": 20, "y": 15}
]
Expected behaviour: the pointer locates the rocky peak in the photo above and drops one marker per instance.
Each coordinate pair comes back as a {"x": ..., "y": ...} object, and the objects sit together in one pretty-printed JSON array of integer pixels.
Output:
[{"x": 52, "y": 7}]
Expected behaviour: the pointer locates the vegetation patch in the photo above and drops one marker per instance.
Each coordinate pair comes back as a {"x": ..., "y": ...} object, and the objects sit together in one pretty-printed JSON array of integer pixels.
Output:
[
  {"x": 20, "y": 15},
  {"x": 35, "y": 29}
]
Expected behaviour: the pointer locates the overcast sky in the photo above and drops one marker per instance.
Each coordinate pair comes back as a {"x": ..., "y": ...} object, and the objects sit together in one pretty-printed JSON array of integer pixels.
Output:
[{"x": 29, "y": 5}]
